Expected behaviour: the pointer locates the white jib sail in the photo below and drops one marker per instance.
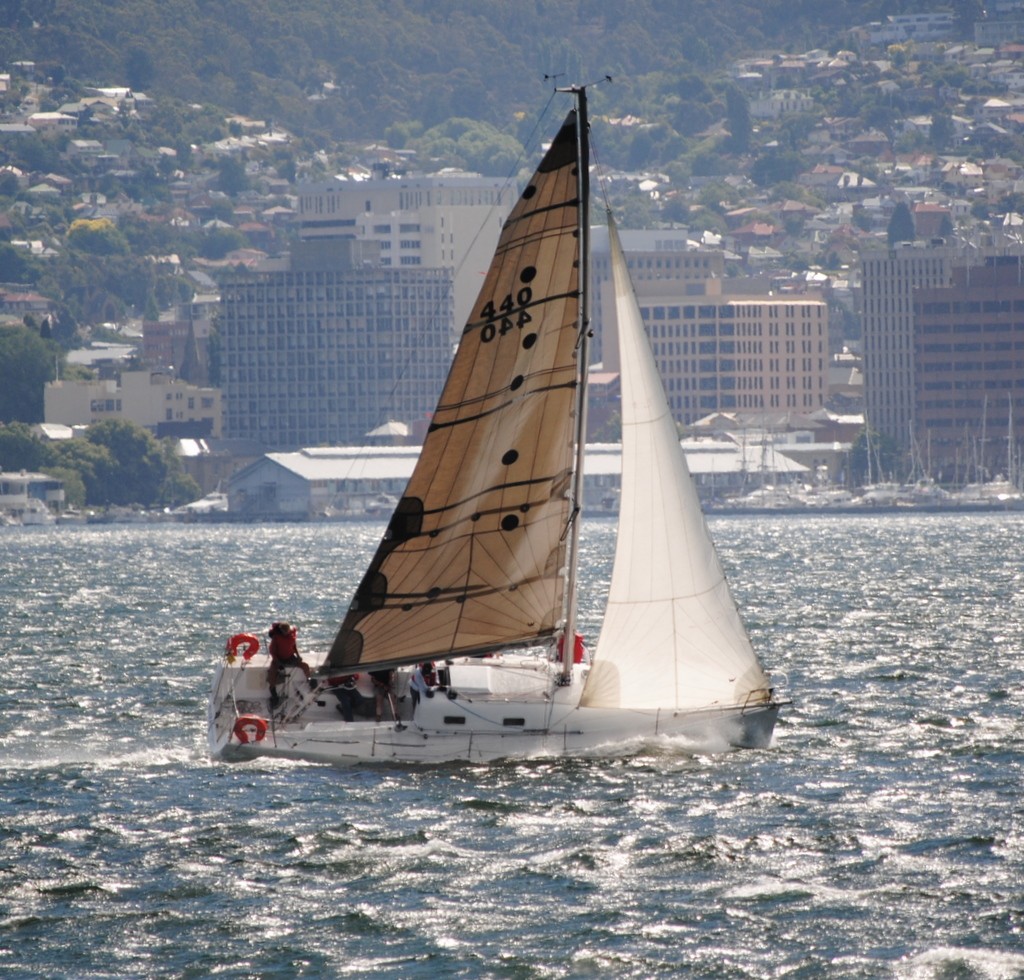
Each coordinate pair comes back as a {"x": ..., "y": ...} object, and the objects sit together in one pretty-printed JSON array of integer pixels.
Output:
[{"x": 672, "y": 636}]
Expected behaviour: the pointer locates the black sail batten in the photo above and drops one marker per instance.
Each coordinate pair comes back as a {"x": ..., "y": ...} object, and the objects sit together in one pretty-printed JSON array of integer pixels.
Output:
[
  {"x": 498, "y": 408},
  {"x": 474, "y": 557},
  {"x": 407, "y": 532}
]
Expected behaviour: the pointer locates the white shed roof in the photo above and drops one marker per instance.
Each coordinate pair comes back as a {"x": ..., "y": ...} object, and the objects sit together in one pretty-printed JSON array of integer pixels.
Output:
[{"x": 705, "y": 457}]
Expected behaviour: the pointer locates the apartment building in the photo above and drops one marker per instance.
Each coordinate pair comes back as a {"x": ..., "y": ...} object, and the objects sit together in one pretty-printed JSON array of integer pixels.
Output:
[
  {"x": 154, "y": 399},
  {"x": 719, "y": 352},
  {"x": 661, "y": 261},
  {"x": 898, "y": 28}
]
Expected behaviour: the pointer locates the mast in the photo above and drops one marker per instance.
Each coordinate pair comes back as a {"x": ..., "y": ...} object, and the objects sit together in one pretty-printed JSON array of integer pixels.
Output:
[
  {"x": 982, "y": 460},
  {"x": 1011, "y": 473},
  {"x": 582, "y": 360}
]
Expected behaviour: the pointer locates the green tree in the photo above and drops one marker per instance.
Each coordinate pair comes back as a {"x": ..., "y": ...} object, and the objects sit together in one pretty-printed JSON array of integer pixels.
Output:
[
  {"x": 737, "y": 112},
  {"x": 470, "y": 144},
  {"x": 178, "y": 487},
  {"x": 37, "y": 153},
  {"x": 74, "y": 485},
  {"x": 139, "y": 68},
  {"x": 8, "y": 184},
  {"x": 140, "y": 464},
  {"x": 27, "y": 362},
  {"x": 901, "y": 225},
  {"x": 231, "y": 176},
  {"x": 709, "y": 163},
  {"x": 21, "y": 448},
  {"x": 775, "y": 166},
  {"x": 214, "y": 349},
  {"x": 97, "y": 236},
  {"x": 15, "y": 265},
  {"x": 94, "y": 465},
  {"x": 941, "y": 131},
  {"x": 690, "y": 117},
  {"x": 965, "y": 13},
  {"x": 217, "y": 242}
]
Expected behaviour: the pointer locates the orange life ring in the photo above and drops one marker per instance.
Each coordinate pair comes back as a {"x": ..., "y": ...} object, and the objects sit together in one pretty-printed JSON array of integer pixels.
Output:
[
  {"x": 250, "y": 728},
  {"x": 248, "y": 644}
]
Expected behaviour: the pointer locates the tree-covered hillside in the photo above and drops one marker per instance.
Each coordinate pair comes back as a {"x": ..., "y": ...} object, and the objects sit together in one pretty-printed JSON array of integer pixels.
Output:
[{"x": 342, "y": 69}]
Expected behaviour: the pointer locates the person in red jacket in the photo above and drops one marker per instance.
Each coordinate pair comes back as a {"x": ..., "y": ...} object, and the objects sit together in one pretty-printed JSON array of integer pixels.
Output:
[{"x": 284, "y": 652}]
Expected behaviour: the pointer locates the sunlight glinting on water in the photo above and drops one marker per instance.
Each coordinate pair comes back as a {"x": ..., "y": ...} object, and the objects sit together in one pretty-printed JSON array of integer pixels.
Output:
[{"x": 880, "y": 836}]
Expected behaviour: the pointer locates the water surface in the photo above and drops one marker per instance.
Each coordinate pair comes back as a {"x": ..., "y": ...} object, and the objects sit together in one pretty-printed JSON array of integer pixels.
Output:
[{"x": 880, "y": 836}]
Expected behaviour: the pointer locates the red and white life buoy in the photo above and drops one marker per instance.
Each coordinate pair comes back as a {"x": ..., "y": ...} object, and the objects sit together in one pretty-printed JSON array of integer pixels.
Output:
[
  {"x": 244, "y": 642},
  {"x": 250, "y": 728}
]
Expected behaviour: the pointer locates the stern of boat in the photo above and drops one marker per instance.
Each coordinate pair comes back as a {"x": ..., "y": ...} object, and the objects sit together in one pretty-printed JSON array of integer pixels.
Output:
[{"x": 239, "y": 716}]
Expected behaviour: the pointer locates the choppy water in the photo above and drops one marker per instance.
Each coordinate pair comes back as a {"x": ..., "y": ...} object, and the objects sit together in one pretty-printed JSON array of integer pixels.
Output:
[{"x": 881, "y": 836}]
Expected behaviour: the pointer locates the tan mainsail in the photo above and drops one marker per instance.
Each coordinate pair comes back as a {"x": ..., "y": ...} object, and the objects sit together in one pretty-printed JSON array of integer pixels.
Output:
[
  {"x": 474, "y": 558},
  {"x": 672, "y": 636}
]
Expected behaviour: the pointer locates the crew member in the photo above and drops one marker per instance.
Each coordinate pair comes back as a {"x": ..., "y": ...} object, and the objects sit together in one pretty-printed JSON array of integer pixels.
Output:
[
  {"x": 284, "y": 653},
  {"x": 421, "y": 684}
]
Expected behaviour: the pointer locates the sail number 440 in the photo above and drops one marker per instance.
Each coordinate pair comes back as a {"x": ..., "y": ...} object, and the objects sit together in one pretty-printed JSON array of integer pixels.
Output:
[{"x": 511, "y": 312}]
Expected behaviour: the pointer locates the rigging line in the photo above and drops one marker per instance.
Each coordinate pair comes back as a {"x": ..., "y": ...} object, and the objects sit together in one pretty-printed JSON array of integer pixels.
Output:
[
  {"x": 570, "y": 520},
  {"x": 602, "y": 183}
]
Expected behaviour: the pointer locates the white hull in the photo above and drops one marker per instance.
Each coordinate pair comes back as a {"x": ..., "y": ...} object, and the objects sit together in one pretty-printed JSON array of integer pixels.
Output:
[
  {"x": 37, "y": 514},
  {"x": 478, "y": 725}
]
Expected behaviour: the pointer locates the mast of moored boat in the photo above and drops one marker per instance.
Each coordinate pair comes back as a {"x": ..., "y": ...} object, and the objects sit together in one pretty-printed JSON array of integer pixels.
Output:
[{"x": 582, "y": 357}]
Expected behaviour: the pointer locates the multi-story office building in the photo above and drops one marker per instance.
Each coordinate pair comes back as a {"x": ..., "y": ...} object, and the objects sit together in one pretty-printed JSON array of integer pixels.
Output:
[
  {"x": 719, "y": 352},
  {"x": 899, "y": 287},
  {"x": 969, "y": 369},
  {"x": 659, "y": 261},
  {"x": 324, "y": 346},
  {"x": 442, "y": 221},
  {"x": 355, "y": 328},
  {"x": 889, "y": 278}
]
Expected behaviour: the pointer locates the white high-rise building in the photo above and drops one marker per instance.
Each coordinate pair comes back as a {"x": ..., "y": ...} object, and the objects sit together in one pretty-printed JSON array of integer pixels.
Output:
[
  {"x": 888, "y": 280},
  {"x": 438, "y": 221}
]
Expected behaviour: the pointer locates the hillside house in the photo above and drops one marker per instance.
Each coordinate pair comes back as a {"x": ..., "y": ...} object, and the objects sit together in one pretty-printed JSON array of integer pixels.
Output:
[{"x": 51, "y": 122}]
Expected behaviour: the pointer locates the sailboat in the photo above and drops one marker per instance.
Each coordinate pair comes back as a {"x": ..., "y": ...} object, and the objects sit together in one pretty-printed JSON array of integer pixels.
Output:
[{"x": 476, "y": 572}]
